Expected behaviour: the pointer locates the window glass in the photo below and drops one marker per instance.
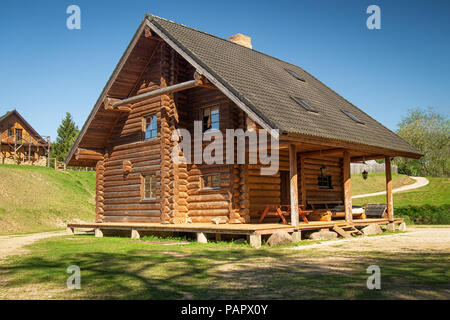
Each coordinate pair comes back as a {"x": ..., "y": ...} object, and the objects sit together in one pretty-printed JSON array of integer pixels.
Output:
[
  {"x": 324, "y": 182},
  {"x": 211, "y": 118},
  {"x": 149, "y": 186},
  {"x": 211, "y": 181},
  {"x": 19, "y": 134},
  {"x": 151, "y": 127}
]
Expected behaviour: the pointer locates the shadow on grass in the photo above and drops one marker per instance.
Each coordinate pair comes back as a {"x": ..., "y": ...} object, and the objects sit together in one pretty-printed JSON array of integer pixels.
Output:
[{"x": 120, "y": 269}]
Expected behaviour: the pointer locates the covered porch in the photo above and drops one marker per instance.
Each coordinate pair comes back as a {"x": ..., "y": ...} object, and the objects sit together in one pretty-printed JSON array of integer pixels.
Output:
[{"x": 314, "y": 183}]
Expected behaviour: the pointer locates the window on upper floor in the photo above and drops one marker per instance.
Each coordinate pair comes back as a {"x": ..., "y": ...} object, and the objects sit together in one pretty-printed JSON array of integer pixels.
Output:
[
  {"x": 19, "y": 134},
  {"x": 210, "y": 118},
  {"x": 352, "y": 116},
  {"x": 295, "y": 75},
  {"x": 151, "y": 127},
  {"x": 304, "y": 104}
]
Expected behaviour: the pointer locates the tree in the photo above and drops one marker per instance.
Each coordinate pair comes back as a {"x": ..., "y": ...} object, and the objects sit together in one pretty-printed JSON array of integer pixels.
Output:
[
  {"x": 67, "y": 133},
  {"x": 429, "y": 132}
]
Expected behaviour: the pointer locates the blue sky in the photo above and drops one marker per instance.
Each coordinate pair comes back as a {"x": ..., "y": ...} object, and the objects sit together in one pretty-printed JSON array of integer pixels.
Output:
[{"x": 47, "y": 69}]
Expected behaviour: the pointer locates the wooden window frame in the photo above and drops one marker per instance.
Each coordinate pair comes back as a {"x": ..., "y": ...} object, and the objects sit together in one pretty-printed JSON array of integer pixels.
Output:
[
  {"x": 329, "y": 184},
  {"x": 142, "y": 186},
  {"x": 11, "y": 131},
  {"x": 144, "y": 126},
  {"x": 202, "y": 186},
  {"x": 21, "y": 134},
  {"x": 210, "y": 106}
]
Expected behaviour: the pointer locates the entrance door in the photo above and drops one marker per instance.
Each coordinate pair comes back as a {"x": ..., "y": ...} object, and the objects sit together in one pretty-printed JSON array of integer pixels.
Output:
[{"x": 285, "y": 188}]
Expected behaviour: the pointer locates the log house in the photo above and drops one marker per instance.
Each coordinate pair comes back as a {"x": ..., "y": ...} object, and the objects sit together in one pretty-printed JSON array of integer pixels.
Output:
[
  {"x": 172, "y": 75},
  {"x": 20, "y": 143}
]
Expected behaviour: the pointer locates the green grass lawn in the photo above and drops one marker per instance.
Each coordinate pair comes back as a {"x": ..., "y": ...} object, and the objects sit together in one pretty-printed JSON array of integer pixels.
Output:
[
  {"x": 35, "y": 199},
  {"x": 437, "y": 192},
  {"x": 426, "y": 205},
  {"x": 120, "y": 268},
  {"x": 376, "y": 182}
]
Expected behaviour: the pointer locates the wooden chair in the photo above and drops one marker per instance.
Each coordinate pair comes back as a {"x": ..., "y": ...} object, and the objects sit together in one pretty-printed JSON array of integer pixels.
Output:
[{"x": 281, "y": 211}]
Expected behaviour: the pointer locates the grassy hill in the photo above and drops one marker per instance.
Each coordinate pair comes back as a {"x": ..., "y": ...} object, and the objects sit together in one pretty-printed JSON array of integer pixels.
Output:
[
  {"x": 376, "y": 182},
  {"x": 429, "y": 204},
  {"x": 35, "y": 199}
]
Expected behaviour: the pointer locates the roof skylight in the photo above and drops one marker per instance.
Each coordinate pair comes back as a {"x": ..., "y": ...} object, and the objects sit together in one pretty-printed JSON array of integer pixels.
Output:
[
  {"x": 304, "y": 104},
  {"x": 352, "y": 116},
  {"x": 295, "y": 75}
]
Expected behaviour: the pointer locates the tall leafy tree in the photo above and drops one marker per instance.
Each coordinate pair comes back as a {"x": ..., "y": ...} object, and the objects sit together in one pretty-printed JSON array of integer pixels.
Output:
[
  {"x": 67, "y": 133},
  {"x": 429, "y": 132}
]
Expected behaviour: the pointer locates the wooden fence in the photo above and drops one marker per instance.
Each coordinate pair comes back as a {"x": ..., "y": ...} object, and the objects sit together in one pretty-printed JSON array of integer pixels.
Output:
[{"x": 370, "y": 166}]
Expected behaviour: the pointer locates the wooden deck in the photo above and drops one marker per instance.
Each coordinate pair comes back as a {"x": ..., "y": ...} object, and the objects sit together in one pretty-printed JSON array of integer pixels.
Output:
[{"x": 252, "y": 230}]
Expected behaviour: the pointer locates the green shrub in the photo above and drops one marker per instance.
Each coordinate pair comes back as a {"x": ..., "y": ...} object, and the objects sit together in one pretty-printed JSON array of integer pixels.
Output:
[{"x": 425, "y": 214}]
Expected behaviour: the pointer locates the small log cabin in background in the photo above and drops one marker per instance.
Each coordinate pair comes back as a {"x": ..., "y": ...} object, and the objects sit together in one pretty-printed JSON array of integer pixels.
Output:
[
  {"x": 20, "y": 143},
  {"x": 171, "y": 75}
]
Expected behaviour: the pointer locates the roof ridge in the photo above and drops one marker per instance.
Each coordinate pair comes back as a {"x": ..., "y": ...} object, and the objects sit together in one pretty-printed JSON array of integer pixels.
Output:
[{"x": 217, "y": 37}]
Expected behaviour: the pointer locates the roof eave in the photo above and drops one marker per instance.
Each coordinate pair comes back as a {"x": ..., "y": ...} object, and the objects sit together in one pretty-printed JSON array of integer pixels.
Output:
[{"x": 349, "y": 144}]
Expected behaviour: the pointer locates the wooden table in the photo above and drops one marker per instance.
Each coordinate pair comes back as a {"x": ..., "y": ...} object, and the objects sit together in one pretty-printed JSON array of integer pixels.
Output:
[{"x": 276, "y": 210}]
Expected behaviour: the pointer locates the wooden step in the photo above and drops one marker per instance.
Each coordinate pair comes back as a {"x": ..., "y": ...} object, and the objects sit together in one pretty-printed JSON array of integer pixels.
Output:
[{"x": 341, "y": 232}]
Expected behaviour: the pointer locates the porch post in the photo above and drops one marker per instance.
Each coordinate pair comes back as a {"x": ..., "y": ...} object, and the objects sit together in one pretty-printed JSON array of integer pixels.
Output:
[
  {"x": 303, "y": 180},
  {"x": 389, "y": 197},
  {"x": 347, "y": 189},
  {"x": 293, "y": 184}
]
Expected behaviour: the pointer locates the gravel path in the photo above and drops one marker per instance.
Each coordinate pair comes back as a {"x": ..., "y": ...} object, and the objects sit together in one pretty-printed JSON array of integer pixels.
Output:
[
  {"x": 420, "y": 182},
  {"x": 13, "y": 245},
  {"x": 415, "y": 239}
]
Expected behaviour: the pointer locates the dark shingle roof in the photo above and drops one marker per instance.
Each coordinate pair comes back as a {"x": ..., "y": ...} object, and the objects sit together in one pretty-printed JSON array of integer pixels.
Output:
[
  {"x": 6, "y": 115},
  {"x": 266, "y": 87}
]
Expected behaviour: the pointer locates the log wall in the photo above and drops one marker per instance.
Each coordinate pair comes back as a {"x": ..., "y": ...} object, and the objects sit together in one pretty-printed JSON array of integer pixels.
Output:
[
  {"x": 333, "y": 168},
  {"x": 122, "y": 192},
  {"x": 206, "y": 204}
]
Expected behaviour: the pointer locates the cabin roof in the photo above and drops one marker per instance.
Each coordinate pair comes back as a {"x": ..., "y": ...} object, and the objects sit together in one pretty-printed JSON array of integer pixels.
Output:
[
  {"x": 24, "y": 122},
  {"x": 266, "y": 86},
  {"x": 263, "y": 86}
]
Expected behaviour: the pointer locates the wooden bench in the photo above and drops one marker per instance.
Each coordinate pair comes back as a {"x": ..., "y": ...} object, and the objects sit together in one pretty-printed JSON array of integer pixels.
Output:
[
  {"x": 375, "y": 210},
  {"x": 325, "y": 210},
  {"x": 282, "y": 211}
]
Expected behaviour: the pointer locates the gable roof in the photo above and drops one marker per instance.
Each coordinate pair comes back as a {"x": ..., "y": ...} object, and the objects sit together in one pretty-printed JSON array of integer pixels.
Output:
[
  {"x": 263, "y": 83},
  {"x": 24, "y": 122},
  {"x": 263, "y": 87},
  {"x": 8, "y": 113}
]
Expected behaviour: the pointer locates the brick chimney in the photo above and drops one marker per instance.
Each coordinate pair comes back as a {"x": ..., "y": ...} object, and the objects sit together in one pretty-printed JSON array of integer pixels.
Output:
[{"x": 241, "y": 39}]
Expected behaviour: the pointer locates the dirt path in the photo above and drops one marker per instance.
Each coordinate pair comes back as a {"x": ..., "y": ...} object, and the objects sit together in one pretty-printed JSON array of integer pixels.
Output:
[
  {"x": 420, "y": 182},
  {"x": 415, "y": 239},
  {"x": 13, "y": 245}
]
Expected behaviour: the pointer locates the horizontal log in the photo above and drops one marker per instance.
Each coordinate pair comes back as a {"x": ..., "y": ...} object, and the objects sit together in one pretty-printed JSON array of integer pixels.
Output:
[
  {"x": 146, "y": 213},
  {"x": 208, "y": 205},
  {"x": 208, "y": 213},
  {"x": 158, "y": 92}
]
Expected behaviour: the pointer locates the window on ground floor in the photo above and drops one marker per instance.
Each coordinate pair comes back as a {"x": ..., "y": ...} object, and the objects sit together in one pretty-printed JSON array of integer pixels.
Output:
[
  {"x": 324, "y": 182},
  {"x": 148, "y": 186},
  {"x": 210, "y": 181}
]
